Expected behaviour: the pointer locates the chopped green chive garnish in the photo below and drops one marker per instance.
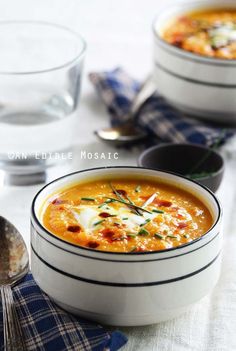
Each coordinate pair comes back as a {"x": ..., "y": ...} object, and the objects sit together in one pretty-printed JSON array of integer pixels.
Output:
[
  {"x": 138, "y": 189},
  {"x": 125, "y": 218},
  {"x": 172, "y": 236},
  {"x": 87, "y": 198},
  {"x": 158, "y": 211},
  {"x": 143, "y": 232},
  {"x": 144, "y": 223},
  {"x": 108, "y": 201},
  {"x": 186, "y": 236},
  {"x": 131, "y": 235},
  {"x": 121, "y": 196},
  {"x": 114, "y": 215},
  {"x": 133, "y": 249},
  {"x": 115, "y": 192},
  {"x": 122, "y": 237},
  {"x": 130, "y": 205},
  {"x": 135, "y": 210},
  {"x": 99, "y": 222},
  {"x": 158, "y": 236},
  {"x": 129, "y": 199}
]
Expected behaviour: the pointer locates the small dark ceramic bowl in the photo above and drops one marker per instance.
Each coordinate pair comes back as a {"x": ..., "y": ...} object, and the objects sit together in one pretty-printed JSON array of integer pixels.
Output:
[{"x": 200, "y": 163}]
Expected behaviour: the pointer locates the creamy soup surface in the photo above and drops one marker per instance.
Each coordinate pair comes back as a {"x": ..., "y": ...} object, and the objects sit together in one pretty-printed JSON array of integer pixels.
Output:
[
  {"x": 128, "y": 215},
  {"x": 210, "y": 33}
]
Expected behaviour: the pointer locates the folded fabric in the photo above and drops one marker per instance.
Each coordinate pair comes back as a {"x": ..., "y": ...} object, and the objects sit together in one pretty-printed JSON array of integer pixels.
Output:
[
  {"x": 46, "y": 327},
  {"x": 117, "y": 90}
]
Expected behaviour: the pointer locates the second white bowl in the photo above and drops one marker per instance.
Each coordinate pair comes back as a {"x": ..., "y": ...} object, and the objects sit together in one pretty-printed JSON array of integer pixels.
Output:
[{"x": 197, "y": 85}]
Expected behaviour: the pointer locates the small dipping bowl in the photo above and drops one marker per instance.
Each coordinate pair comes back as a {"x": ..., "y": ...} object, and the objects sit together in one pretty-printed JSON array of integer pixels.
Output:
[{"x": 200, "y": 163}]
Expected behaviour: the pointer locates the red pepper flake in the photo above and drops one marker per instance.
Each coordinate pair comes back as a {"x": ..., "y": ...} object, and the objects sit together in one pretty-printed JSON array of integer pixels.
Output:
[
  {"x": 158, "y": 202},
  {"x": 111, "y": 235},
  {"x": 182, "y": 225},
  {"x": 180, "y": 216},
  {"x": 177, "y": 41},
  {"x": 58, "y": 201},
  {"x": 92, "y": 244},
  {"x": 105, "y": 215},
  {"x": 74, "y": 228},
  {"x": 144, "y": 198},
  {"x": 140, "y": 249},
  {"x": 163, "y": 203},
  {"x": 121, "y": 192},
  {"x": 108, "y": 233}
]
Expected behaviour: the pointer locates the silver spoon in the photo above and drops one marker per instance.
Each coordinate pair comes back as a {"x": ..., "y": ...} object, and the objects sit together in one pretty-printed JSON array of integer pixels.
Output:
[
  {"x": 14, "y": 265},
  {"x": 128, "y": 132}
]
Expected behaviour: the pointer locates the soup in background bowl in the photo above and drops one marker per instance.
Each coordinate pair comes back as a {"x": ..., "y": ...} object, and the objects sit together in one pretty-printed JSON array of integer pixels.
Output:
[
  {"x": 117, "y": 285},
  {"x": 210, "y": 32},
  {"x": 194, "y": 58}
]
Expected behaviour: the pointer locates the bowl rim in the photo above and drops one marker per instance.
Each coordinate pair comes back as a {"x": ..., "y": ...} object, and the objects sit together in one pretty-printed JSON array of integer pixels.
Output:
[
  {"x": 197, "y": 146},
  {"x": 212, "y": 61},
  {"x": 67, "y": 64},
  {"x": 78, "y": 247}
]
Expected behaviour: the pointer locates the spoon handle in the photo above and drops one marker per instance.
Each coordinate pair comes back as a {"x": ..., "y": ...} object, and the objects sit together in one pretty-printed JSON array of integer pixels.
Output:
[
  {"x": 13, "y": 337},
  {"x": 147, "y": 89}
]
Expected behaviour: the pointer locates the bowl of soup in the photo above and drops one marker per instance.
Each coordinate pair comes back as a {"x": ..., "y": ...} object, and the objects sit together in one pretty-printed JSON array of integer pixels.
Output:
[
  {"x": 195, "y": 58},
  {"x": 125, "y": 245}
]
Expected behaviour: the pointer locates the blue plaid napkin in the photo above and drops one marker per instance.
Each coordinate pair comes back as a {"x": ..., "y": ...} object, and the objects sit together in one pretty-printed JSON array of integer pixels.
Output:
[
  {"x": 117, "y": 90},
  {"x": 48, "y": 328}
]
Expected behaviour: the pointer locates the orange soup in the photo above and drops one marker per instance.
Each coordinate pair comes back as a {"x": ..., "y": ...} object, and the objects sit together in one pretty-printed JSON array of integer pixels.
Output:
[
  {"x": 128, "y": 215},
  {"x": 210, "y": 33}
]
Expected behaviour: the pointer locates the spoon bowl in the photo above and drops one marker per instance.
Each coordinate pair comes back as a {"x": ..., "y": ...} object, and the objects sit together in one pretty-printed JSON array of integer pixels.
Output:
[
  {"x": 14, "y": 256},
  {"x": 119, "y": 136},
  {"x": 14, "y": 265}
]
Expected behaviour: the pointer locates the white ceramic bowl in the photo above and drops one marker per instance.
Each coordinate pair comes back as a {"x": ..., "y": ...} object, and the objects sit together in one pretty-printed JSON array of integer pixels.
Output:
[
  {"x": 125, "y": 288},
  {"x": 198, "y": 85}
]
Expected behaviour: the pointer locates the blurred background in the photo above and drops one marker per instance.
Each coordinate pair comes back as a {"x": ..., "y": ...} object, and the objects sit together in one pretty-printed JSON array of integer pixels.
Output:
[{"x": 118, "y": 33}]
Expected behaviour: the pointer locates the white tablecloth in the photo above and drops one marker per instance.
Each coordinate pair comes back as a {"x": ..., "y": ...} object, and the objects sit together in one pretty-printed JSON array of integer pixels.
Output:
[
  {"x": 210, "y": 324},
  {"x": 119, "y": 33}
]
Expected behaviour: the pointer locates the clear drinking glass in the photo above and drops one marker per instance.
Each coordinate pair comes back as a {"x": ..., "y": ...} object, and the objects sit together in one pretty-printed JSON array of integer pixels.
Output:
[{"x": 40, "y": 74}]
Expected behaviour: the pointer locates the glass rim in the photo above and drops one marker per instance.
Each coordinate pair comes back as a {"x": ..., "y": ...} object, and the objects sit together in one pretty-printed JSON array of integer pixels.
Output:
[{"x": 67, "y": 64}]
